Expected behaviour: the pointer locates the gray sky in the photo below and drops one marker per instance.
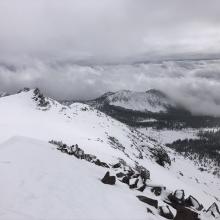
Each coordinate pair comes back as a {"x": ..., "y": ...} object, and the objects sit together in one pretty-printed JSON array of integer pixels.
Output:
[
  {"x": 62, "y": 46},
  {"x": 107, "y": 30}
]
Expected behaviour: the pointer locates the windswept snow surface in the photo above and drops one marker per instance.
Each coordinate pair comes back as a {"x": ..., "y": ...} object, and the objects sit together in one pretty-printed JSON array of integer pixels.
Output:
[{"x": 39, "y": 182}]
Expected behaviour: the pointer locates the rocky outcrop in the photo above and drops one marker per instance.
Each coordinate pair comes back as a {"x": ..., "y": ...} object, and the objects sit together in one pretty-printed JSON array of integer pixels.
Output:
[
  {"x": 160, "y": 156},
  {"x": 76, "y": 151},
  {"x": 40, "y": 99}
]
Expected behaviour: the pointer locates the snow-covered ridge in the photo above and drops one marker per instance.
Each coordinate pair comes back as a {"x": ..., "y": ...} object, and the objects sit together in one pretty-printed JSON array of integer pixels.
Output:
[
  {"x": 29, "y": 113},
  {"x": 28, "y": 120}
]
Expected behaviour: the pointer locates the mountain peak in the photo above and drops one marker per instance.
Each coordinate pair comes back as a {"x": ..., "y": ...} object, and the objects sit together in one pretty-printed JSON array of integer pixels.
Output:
[{"x": 150, "y": 101}]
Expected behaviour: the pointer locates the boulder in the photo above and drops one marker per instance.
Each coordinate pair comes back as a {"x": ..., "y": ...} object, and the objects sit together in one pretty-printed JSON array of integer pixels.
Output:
[
  {"x": 130, "y": 173},
  {"x": 184, "y": 213},
  {"x": 149, "y": 201},
  {"x": 214, "y": 210},
  {"x": 107, "y": 179},
  {"x": 102, "y": 164},
  {"x": 117, "y": 165},
  {"x": 125, "y": 179},
  {"x": 193, "y": 202},
  {"x": 133, "y": 183},
  {"x": 142, "y": 188},
  {"x": 120, "y": 175},
  {"x": 165, "y": 212},
  {"x": 177, "y": 197},
  {"x": 157, "y": 190}
]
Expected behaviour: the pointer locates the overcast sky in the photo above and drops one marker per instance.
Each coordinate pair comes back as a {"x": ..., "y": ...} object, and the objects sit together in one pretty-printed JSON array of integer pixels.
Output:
[{"x": 42, "y": 43}]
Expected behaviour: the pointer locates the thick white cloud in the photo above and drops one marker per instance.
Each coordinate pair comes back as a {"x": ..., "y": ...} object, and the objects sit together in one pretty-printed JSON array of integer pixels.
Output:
[{"x": 194, "y": 84}]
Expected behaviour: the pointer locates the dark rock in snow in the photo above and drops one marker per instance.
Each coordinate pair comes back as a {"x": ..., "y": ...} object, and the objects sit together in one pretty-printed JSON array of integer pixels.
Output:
[
  {"x": 107, "y": 179},
  {"x": 142, "y": 188},
  {"x": 193, "y": 202},
  {"x": 89, "y": 157},
  {"x": 148, "y": 201},
  {"x": 117, "y": 165},
  {"x": 130, "y": 173},
  {"x": 177, "y": 197},
  {"x": 102, "y": 164},
  {"x": 120, "y": 175},
  {"x": 184, "y": 213},
  {"x": 157, "y": 190},
  {"x": 214, "y": 210},
  {"x": 40, "y": 99},
  {"x": 125, "y": 179},
  {"x": 165, "y": 212},
  {"x": 133, "y": 185}
]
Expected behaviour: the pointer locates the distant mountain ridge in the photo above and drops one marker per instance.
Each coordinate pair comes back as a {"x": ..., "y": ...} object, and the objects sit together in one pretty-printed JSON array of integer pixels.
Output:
[{"x": 150, "y": 101}]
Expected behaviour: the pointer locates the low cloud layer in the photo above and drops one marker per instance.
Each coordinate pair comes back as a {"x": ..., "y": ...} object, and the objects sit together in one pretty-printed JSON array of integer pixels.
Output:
[
  {"x": 193, "y": 84},
  {"x": 68, "y": 48}
]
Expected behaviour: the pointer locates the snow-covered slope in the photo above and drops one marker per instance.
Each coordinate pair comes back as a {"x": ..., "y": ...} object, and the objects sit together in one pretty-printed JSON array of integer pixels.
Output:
[
  {"x": 39, "y": 182},
  {"x": 23, "y": 114},
  {"x": 150, "y": 101}
]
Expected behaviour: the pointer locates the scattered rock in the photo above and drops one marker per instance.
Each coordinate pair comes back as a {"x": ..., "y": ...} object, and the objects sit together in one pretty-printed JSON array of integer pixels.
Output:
[
  {"x": 193, "y": 202},
  {"x": 214, "y": 210},
  {"x": 107, "y": 179},
  {"x": 165, "y": 212},
  {"x": 148, "y": 201}
]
